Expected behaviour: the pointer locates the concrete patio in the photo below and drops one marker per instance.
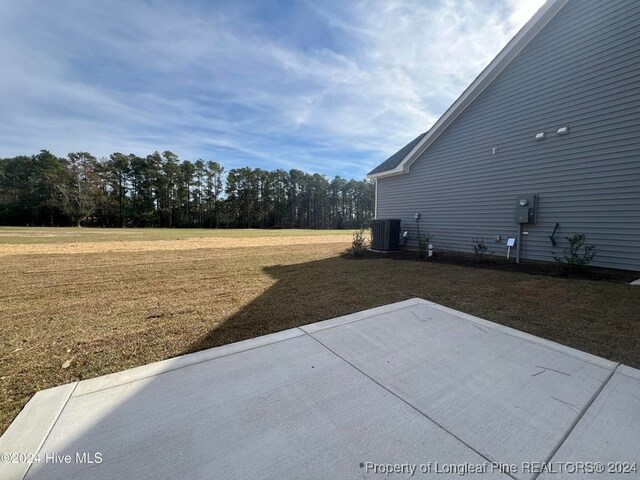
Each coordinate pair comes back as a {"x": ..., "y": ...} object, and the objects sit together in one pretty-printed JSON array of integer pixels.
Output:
[{"x": 412, "y": 389}]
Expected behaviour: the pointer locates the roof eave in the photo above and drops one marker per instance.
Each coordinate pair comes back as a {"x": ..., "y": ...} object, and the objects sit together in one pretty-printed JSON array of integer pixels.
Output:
[{"x": 386, "y": 173}]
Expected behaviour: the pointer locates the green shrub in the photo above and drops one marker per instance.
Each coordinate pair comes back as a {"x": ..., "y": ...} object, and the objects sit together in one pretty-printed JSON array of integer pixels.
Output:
[
  {"x": 576, "y": 255},
  {"x": 359, "y": 243}
]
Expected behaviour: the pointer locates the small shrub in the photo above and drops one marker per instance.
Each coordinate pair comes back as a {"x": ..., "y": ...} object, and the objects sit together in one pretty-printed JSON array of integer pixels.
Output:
[
  {"x": 480, "y": 248},
  {"x": 359, "y": 243},
  {"x": 576, "y": 255},
  {"x": 423, "y": 244}
]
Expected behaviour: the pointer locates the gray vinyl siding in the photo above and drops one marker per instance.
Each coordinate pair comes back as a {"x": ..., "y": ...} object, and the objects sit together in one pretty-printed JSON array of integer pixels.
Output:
[{"x": 581, "y": 70}]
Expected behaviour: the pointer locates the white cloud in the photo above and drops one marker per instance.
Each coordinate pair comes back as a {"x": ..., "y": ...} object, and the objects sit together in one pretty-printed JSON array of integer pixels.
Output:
[
  {"x": 523, "y": 10},
  {"x": 204, "y": 83}
]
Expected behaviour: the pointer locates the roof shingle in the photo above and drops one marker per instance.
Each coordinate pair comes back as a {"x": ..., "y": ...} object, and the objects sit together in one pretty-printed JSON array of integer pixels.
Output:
[{"x": 394, "y": 160}]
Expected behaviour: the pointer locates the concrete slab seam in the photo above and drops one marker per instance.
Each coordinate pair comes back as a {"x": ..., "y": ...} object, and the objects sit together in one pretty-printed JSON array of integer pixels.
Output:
[
  {"x": 577, "y": 420},
  {"x": 628, "y": 372},
  {"x": 385, "y": 309},
  {"x": 355, "y": 319},
  {"x": 543, "y": 342},
  {"x": 559, "y": 350},
  {"x": 356, "y": 316},
  {"x": 191, "y": 364},
  {"x": 413, "y": 407},
  {"x": 44, "y": 439}
]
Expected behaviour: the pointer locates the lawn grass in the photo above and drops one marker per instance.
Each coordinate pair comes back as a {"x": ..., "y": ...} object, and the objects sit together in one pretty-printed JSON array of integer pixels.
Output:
[
  {"x": 30, "y": 235},
  {"x": 104, "y": 307}
]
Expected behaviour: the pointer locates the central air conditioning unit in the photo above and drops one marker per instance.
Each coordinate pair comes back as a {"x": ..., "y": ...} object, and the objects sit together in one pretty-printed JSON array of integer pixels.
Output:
[{"x": 385, "y": 234}]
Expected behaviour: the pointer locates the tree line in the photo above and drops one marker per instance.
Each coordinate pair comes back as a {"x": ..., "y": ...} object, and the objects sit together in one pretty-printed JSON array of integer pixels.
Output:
[{"x": 160, "y": 190}]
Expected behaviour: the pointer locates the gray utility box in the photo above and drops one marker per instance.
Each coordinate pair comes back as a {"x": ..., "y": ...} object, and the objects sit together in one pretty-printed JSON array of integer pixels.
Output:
[
  {"x": 385, "y": 234},
  {"x": 526, "y": 208}
]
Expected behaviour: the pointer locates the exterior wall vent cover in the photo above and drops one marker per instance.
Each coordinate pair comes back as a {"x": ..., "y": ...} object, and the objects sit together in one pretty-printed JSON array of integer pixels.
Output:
[{"x": 385, "y": 234}]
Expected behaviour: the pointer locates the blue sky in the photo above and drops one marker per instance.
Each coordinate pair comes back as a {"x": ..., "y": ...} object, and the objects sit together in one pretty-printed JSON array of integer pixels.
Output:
[{"x": 325, "y": 86}]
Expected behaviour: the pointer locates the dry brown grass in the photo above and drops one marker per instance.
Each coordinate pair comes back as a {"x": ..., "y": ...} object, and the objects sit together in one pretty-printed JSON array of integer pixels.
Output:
[
  {"x": 107, "y": 309},
  {"x": 61, "y": 235},
  {"x": 164, "y": 245}
]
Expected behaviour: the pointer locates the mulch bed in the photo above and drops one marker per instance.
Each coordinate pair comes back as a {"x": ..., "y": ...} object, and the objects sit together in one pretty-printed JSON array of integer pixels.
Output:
[{"x": 532, "y": 267}]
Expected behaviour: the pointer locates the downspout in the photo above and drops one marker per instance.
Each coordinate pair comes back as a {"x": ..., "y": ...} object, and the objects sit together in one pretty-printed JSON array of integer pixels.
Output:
[
  {"x": 375, "y": 200},
  {"x": 518, "y": 242}
]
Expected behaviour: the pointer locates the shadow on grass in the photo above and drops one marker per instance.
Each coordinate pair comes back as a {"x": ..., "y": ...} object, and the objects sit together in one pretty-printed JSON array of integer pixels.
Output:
[
  {"x": 307, "y": 293},
  {"x": 599, "y": 317}
]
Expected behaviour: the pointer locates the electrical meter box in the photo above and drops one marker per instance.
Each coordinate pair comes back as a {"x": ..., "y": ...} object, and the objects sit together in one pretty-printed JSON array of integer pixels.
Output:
[{"x": 526, "y": 208}]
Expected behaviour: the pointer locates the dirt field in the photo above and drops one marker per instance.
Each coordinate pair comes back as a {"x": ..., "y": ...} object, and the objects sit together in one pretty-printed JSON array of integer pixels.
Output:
[{"x": 77, "y": 303}]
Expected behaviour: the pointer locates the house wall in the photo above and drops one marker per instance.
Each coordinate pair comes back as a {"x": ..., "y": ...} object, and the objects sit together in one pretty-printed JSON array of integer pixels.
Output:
[{"x": 581, "y": 70}]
